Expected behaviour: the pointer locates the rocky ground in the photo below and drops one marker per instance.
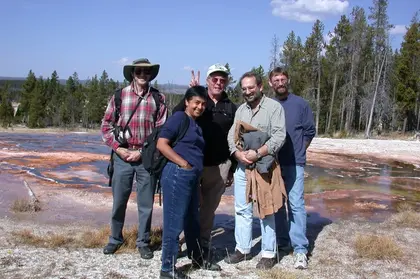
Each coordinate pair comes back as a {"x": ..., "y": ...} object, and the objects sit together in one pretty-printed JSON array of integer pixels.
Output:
[
  {"x": 334, "y": 255},
  {"x": 338, "y": 250}
]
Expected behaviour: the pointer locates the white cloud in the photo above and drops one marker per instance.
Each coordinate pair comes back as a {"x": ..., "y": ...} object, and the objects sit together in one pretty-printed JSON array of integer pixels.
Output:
[
  {"x": 187, "y": 68},
  {"x": 122, "y": 61},
  {"x": 398, "y": 30},
  {"x": 308, "y": 10}
]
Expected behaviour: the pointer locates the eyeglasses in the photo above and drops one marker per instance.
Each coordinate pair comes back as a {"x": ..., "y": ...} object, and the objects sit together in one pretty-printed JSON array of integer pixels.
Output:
[
  {"x": 221, "y": 80},
  {"x": 139, "y": 71},
  {"x": 277, "y": 81}
]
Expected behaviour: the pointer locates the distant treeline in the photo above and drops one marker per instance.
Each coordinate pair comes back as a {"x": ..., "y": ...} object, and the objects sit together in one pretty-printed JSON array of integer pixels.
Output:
[{"x": 49, "y": 103}]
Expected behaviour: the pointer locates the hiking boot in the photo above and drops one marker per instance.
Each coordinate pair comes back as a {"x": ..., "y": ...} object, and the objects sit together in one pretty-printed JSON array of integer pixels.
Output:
[
  {"x": 145, "y": 252},
  {"x": 300, "y": 261},
  {"x": 176, "y": 274},
  {"x": 266, "y": 263},
  {"x": 237, "y": 257},
  {"x": 111, "y": 248}
]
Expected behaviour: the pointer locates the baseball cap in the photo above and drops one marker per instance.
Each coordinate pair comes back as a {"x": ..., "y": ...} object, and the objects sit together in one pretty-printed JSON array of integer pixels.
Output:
[{"x": 217, "y": 68}]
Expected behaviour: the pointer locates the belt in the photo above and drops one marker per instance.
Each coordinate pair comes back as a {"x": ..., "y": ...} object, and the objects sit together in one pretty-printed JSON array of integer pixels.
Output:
[{"x": 134, "y": 146}]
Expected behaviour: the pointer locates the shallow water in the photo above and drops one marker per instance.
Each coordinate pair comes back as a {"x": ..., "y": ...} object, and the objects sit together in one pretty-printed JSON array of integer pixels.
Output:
[
  {"x": 56, "y": 142},
  {"x": 390, "y": 183}
]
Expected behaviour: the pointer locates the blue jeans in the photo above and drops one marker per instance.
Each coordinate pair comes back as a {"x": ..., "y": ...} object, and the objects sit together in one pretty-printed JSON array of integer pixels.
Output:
[
  {"x": 292, "y": 228},
  {"x": 180, "y": 212},
  {"x": 243, "y": 220}
]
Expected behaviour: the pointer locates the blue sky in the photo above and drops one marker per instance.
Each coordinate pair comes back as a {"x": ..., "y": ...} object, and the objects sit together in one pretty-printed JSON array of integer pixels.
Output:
[{"x": 90, "y": 36}]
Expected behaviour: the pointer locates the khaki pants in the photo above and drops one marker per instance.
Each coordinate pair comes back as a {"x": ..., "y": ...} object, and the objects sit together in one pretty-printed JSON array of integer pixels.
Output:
[{"x": 213, "y": 184}]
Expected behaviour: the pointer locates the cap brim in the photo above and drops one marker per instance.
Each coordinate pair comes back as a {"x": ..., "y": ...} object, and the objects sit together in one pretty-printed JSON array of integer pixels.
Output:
[{"x": 217, "y": 71}]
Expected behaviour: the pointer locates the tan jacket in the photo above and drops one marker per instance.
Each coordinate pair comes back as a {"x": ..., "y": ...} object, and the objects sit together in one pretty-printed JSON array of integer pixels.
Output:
[{"x": 266, "y": 191}]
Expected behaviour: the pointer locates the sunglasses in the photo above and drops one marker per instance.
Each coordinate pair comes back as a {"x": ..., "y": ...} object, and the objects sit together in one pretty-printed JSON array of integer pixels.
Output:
[
  {"x": 221, "y": 80},
  {"x": 139, "y": 71}
]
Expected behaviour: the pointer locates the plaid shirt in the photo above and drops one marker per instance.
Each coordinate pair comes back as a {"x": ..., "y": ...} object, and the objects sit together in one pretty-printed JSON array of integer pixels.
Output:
[{"x": 141, "y": 125}]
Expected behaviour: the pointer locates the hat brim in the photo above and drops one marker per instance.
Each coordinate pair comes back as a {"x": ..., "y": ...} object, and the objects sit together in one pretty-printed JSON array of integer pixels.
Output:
[{"x": 128, "y": 69}]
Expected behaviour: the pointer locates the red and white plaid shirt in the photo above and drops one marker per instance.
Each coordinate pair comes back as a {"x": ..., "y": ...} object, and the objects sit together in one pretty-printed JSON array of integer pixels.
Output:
[{"x": 142, "y": 123}]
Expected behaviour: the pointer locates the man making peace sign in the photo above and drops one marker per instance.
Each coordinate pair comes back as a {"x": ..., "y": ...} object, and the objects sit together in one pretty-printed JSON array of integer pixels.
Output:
[{"x": 215, "y": 123}]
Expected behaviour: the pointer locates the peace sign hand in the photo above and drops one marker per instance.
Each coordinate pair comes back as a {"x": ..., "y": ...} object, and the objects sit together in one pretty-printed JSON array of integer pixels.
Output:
[{"x": 195, "y": 80}]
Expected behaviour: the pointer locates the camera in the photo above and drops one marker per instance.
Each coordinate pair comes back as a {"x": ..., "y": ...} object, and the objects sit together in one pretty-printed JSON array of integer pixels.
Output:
[{"x": 122, "y": 135}]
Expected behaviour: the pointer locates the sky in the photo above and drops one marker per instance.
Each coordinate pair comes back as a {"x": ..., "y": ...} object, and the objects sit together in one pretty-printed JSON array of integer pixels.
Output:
[{"x": 89, "y": 36}]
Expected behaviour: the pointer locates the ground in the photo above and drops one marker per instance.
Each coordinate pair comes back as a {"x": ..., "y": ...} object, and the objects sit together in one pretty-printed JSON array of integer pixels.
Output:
[{"x": 338, "y": 249}]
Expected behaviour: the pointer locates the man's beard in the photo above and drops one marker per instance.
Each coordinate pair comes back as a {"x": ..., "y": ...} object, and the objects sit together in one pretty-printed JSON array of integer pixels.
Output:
[
  {"x": 257, "y": 95},
  {"x": 281, "y": 90}
]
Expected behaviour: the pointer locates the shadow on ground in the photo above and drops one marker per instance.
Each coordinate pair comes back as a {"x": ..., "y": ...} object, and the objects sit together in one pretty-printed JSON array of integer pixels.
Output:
[{"x": 223, "y": 235}]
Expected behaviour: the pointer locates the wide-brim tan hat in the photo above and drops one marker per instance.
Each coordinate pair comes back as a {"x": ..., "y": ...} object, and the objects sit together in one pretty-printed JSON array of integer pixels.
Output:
[{"x": 141, "y": 63}]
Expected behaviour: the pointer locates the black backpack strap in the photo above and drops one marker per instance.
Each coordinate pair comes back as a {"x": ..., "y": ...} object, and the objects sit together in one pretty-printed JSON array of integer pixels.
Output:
[
  {"x": 156, "y": 97},
  {"x": 117, "y": 102},
  {"x": 116, "y": 116}
]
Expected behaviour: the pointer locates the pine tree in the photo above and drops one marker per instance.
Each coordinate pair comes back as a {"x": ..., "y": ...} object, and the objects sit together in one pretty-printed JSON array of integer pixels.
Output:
[
  {"x": 54, "y": 98},
  {"x": 381, "y": 27},
  {"x": 26, "y": 96},
  {"x": 292, "y": 59},
  {"x": 233, "y": 94},
  {"x": 337, "y": 58},
  {"x": 313, "y": 51},
  {"x": 6, "y": 108},
  {"x": 408, "y": 75},
  {"x": 275, "y": 53},
  {"x": 37, "y": 110}
]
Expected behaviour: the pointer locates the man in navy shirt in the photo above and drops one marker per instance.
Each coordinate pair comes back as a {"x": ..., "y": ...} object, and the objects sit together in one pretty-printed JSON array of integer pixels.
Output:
[
  {"x": 300, "y": 131},
  {"x": 215, "y": 121}
]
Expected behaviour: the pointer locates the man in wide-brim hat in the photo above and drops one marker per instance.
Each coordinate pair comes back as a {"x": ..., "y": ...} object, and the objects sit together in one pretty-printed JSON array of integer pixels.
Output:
[
  {"x": 126, "y": 137},
  {"x": 141, "y": 64}
]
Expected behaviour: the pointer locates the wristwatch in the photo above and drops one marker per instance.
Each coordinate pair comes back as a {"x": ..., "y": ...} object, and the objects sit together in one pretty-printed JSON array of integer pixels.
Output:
[{"x": 258, "y": 154}]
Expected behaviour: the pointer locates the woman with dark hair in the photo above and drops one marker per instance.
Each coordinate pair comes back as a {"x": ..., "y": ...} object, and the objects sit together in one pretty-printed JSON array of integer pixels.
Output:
[{"x": 179, "y": 181}]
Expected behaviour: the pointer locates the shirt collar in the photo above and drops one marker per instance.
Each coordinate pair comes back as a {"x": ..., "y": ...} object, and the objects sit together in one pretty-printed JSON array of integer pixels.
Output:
[{"x": 260, "y": 104}]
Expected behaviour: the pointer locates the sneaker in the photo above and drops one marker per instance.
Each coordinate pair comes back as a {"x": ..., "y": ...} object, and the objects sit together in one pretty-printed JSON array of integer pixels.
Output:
[
  {"x": 237, "y": 257},
  {"x": 266, "y": 263},
  {"x": 300, "y": 261}
]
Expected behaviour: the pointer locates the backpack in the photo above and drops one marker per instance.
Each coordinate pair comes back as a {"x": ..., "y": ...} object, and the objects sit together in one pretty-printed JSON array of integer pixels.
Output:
[
  {"x": 153, "y": 161},
  {"x": 116, "y": 116}
]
